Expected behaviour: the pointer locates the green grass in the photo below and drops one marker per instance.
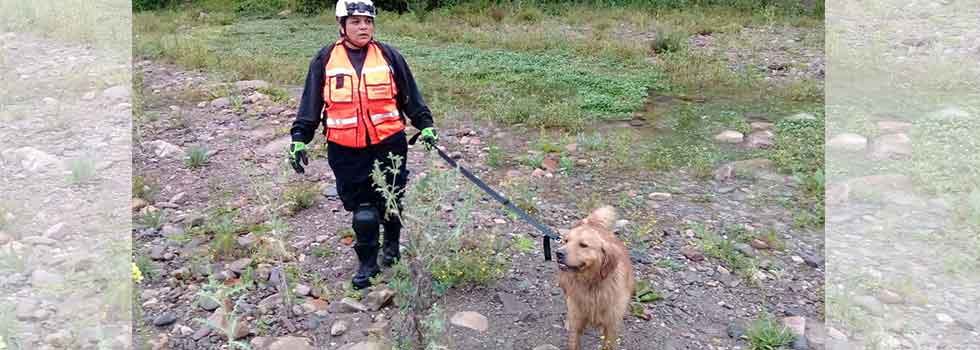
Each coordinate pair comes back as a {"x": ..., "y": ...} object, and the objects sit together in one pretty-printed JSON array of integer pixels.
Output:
[
  {"x": 524, "y": 244},
  {"x": 767, "y": 333},
  {"x": 300, "y": 196},
  {"x": 82, "y": 171},
  {"x": 197, "y": 157}
]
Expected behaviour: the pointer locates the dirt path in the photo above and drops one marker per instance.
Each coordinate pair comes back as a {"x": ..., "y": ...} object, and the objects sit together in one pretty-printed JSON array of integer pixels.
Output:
[{"x": 704, "y": 302}]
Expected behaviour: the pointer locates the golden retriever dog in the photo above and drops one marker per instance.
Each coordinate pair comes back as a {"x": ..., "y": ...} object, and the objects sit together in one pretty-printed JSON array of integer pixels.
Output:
[{"x": 597, "y": 277}]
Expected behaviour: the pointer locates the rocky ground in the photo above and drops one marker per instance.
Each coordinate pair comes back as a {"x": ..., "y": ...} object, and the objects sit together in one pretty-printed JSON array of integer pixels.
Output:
[
  {"x": 64, "y": 194},
  {"x": 901, "y": 244},
  {"x": 706, "y": 303}
]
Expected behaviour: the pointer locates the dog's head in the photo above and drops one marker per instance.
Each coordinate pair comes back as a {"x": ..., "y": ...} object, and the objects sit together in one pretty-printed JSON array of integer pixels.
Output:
[{"x": 584, "y": 250}]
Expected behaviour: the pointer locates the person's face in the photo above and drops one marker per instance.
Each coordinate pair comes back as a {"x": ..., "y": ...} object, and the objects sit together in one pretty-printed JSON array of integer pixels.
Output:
[{"x": 360, "y": 29}]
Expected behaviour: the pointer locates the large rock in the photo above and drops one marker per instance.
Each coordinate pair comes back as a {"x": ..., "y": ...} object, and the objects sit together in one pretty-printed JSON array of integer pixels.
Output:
[
  {"x": 164, "y": 149},
  {"x": 33, "y": 160},
  {"x": 119, "y": 93},
  {"x": 348, "y": 305},
  {"x": 848, "y": 142},
  {"x": 221, "y": 103},
  {"x": 222, "y": 320},
  {"x": 730, "y": 136},
  {"x": 379, "y": 298},
  {"x": 471, "y": 320},
  {"x": 339, "y": 328},
  {"x": 760, "y": 139},
  {"x": 891, "y": 146}
]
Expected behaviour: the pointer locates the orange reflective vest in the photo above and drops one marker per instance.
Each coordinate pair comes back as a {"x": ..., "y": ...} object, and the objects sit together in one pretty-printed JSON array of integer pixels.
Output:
[{"x": 360, "y": 109}]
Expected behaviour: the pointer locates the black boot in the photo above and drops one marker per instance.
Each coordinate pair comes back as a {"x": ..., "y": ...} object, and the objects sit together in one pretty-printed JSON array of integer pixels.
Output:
[
  {"x": 366, "y": 222},
  {"x": 393, "y": 228}
]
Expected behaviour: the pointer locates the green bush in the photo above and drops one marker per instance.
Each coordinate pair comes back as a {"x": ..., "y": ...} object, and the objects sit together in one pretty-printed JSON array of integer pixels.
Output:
[
  {"x": 144, "y": 5},
  {"x": 799, "y": 145},
  {"x": 260, "y": 7}
]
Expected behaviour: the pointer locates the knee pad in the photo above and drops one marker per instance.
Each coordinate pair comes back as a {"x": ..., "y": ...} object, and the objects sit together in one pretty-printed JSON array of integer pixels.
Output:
[{"x": 366, "y": 219}]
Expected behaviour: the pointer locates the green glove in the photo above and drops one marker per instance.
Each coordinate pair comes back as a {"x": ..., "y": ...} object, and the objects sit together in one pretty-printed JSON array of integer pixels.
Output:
[
  {"x": 429, "y": 138},
  {"x": 298, "y": 157}
]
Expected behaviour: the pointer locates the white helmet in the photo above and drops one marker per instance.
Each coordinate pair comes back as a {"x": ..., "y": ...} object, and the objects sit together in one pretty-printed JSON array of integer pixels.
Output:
[{"x": 356, "y": 8}]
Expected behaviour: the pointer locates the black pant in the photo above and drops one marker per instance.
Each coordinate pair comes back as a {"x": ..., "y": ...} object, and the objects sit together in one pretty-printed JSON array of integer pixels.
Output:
[{"x": 353, "y": 166}]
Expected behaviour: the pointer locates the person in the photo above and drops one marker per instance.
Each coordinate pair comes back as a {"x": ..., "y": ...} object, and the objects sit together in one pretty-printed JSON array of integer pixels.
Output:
[{"x": 365, "y": 92}]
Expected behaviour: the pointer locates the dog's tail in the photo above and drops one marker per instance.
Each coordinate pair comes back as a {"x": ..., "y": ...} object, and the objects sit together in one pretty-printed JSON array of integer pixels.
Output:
[{"x": 604, "y": 216}]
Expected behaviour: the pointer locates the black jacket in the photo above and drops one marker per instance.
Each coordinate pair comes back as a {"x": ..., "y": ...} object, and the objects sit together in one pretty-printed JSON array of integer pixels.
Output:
[{"x": 409, "y": 100}]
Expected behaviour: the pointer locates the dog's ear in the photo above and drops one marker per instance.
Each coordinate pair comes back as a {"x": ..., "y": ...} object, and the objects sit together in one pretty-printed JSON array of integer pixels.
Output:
[
  {"x": 604, "y": 216},
  {"x": 609, "y": 261}
]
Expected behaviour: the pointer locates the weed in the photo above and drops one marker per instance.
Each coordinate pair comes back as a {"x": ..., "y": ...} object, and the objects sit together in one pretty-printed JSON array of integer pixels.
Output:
[
  {"x": 299, "y": 197},
  {"x": 178, "y": 121},
  {"x": 146, "y": 266},
  {"x": 671, "y": 264},
  {"x": 152, "y": 219},
  {"x": 277, "y": 95},
  {"x": 228, "y": 321},
  {"x": 723, "y": 249},
  {"x": 766, "y": 333},
  {"x": 523, "y": 244},
  {"x": 799, "y": 145},
  {"x": 224, "y": 232},
  {"x": 82, "y": 171},
  {"x": 534, "y": 160},
  {"x": 322, "y": 251},
  {"x": 668, "y": 41},
  {"x": 645, "y": 293},
  {"x": 495, "y": 156},
  {"x": 197, "y": 156}
]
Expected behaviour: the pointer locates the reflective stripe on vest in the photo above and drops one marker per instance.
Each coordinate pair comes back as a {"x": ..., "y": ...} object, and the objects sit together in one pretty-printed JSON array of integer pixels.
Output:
[{"x": 360, "y": 109}]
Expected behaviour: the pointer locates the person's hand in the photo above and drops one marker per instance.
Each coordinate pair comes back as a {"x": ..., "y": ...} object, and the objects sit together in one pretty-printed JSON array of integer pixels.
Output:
[
  {"x": 298, "y": 157},
  {"x": 429, "y": 138}
]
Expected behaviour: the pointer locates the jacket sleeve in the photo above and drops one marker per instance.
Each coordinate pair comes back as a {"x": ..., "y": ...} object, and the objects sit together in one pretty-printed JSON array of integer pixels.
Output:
[
  {"x": 409, "y": 98},
  {"x": 308, "y": 118}
]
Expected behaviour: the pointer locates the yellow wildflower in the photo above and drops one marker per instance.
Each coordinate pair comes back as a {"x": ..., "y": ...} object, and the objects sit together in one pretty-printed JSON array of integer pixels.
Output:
[{"x": 137, "y": 276}]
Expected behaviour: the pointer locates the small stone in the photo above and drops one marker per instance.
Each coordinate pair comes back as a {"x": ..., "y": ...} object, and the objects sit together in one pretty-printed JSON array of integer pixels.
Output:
[
  {"x": 166, "y": 319},
  {"x": 726, "y": 189},
  {"x": 760, "y": 139},
  {"x": 379, "y": 298},
  {"x": 761, "y": 125},
  {"x": 848, "y": 142},
  {"x": 207, "y": 304},
  {"x": 59, "y": 339},
  {"x": 796, "y": 324},
  {"x": 759, "y": 244},
  {"x": 221, "y": 103},
  {"x": 156, "y": 253},
  {"x": 659, "y": 196},
  {"x": 944, "y": 318},
  {"x": 219, "y": 319},
  {"x": 550, "y": 162},
  {"x": 730, "y": 136},
  {"x": 571, "y": 148},
  {"x": 315, "y": 305},
  {"x": 892, "y": 146},
  {"x": 25, "y": 310},
  {"x": 737, "y": 329},
  {"x": 54, "y": 231},
  {"x": 178, "y": 198},
  {"x": 800, "y": 343},
  {"x": 538, "y": 173},
  {"x": 802, "y": 116},
  {"x": 692, "y": 253},
  {"x": 117, "y": 93},
  {"x": 201, "y": 333},
  {"x": 745, "y": 249},
  {"x": 870, "y": 304},
  {"x": 290, "y": 343},
  {"x": 620, "y": 224},
  {"x": 471, "y": 320},
  {"x": 302, "y": 290},
  {"x": 812, "y": 260},
  {"x": 183, "y": 330},
  {"x": 513, "y": 174},
  {"x": 338, "y": 328},
  {"x": 251, "y": 84},
  {"x": 348, "y": 305},
  {"x": 270, "y": 303},
  {"x": 797, "y": 259},
  {"x": 546, "y": 347},
  {"x": 367, "y": 345},
  {"x": 239, "y": 266},
  {"x": 889, "y": 297}
]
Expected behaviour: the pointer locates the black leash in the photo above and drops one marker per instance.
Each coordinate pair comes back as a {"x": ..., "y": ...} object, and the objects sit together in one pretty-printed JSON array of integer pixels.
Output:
[{"x": 548, "y": 233}]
